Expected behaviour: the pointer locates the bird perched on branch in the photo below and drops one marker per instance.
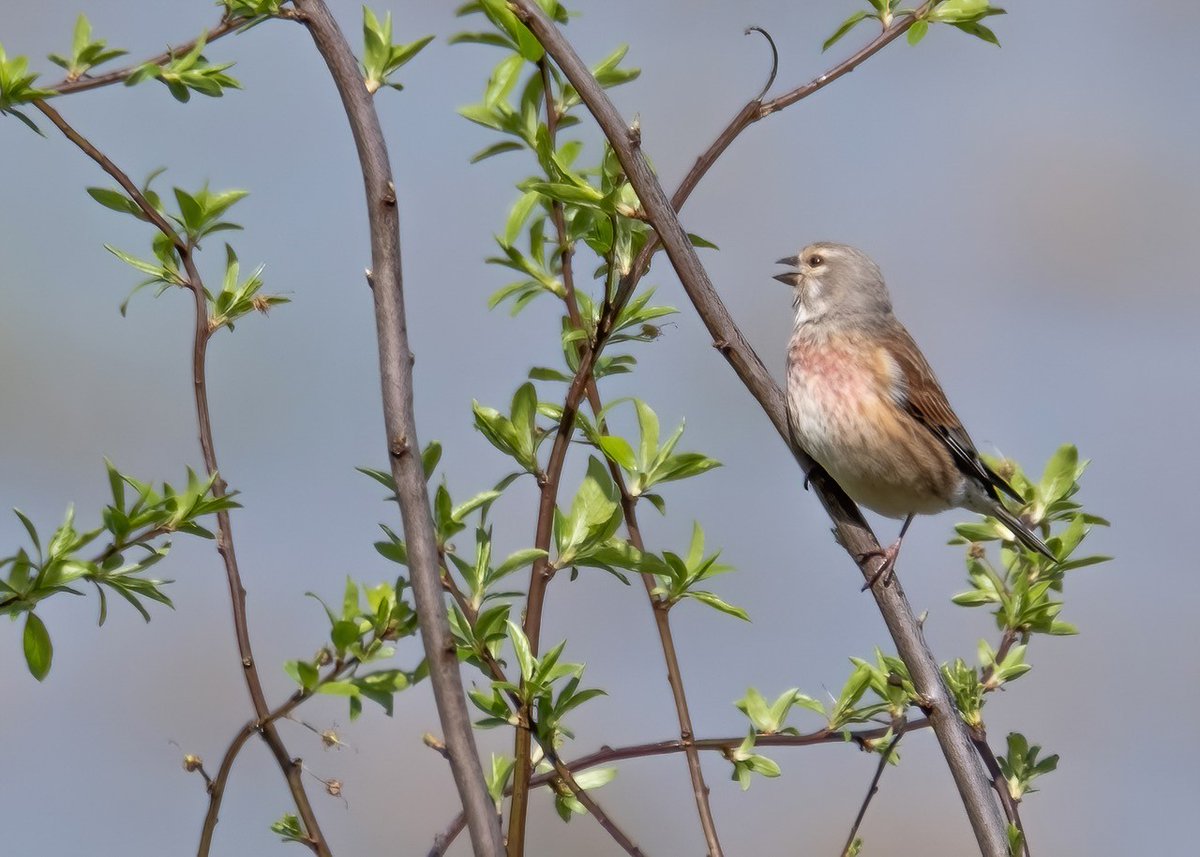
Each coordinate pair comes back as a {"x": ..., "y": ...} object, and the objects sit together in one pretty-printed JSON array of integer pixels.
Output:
[{"x": 865, "y": 405}]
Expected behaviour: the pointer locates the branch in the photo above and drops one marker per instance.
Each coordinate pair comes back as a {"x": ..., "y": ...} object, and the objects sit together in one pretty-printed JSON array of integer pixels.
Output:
[
  {"x": 850, "y": 527},
  {"x": 80, "y": 84},
  {"x": 395, "y": 365},
  {"x": 884, "y": 758},
  {"x": 1000, "y": 784},
  {"x": 290, "y": 767},
  {"x": 586, "y": 354},
  {"x": 583, "y": 383},
  {"x": 526, "y": 727},
  {"x": 216, "y": 785},
  {"x": 607, "y": 755}
]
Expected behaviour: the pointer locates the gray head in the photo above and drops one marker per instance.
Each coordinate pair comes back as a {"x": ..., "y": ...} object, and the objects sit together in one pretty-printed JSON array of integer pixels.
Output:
[{"x": 835, "y": 282}]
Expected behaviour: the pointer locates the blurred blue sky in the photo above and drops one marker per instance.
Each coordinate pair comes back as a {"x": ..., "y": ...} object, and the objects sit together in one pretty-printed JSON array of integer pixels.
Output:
[{"x": 1034, "y": 209}]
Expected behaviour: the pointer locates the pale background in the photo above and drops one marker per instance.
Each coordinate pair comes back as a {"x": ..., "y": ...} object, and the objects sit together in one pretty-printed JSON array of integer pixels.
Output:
[{"x": 1033, "y": 207}]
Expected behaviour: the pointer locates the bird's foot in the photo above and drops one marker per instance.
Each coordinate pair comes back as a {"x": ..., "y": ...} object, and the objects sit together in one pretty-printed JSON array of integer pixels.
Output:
[{"x": 886, "y": 570}]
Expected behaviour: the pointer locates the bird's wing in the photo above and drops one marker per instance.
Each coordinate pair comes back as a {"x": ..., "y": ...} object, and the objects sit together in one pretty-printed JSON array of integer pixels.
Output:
[{"x": 916, "y": 389}]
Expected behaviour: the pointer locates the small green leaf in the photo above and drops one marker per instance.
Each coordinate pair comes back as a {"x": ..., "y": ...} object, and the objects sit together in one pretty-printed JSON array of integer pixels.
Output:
[
  {"x": 39, "y": 651},
  {"x": 845, "y": 27}
]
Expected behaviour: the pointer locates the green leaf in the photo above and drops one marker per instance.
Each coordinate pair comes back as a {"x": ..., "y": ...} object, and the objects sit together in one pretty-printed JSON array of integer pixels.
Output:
[
  {"x": 979, "y": 31},
  {"x": 145, "y": 267},
  {"x": 845, "y": 27},
  {"x": 618, "y": 449},
  {"x": 917, "y": 32},
  {"x": 519, "y": 560},
  {"x": 713, "y": 601},
  {"x": 39, "y": 652},
  {"x": 522, "y": 649}
]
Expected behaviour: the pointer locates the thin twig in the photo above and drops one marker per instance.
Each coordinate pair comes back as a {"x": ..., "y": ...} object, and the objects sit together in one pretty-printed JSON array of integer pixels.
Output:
[
  {"x": 523, "y": 771},
  {"x": 80, "y": 84},
  {"x": 526, "y": 726},
  {"x": 541, "y": 571},
  {"x": 1000, "y": 784},
  {"x": 884, "y": 758},
  {"x": 395, "y": 364},
  {"x": 216, "y": 786},
  {"x": 607, "y": 755},
  {"x": 851, "y": 528},
  {"x": 290, "y": 767}
]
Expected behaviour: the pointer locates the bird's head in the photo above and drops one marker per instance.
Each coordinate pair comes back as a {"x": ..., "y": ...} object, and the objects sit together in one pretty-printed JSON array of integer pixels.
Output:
[{"x": 835, "y": 282}]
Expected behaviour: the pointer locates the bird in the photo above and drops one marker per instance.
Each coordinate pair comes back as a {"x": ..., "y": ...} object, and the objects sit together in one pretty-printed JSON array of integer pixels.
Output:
[{"x": 865, "y": 405}]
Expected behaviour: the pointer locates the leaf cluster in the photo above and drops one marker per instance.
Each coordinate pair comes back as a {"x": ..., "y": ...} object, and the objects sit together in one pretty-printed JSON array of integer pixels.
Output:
[
  {"x": 16, "y": 87},
  {"x": 188, "y": 73},
  {"x": 964, "y": 15},
  {"x": 381, "y": 56},
  {"x": 135, "y": 520},
  {"x": 86, "y": 52},
  {"x": 362, "y": 630}
]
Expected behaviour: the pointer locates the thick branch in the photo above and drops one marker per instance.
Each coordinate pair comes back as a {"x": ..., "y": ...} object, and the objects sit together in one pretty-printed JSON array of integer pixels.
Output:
[
  {"x": 395, "y": 365},
  {"x": 290, "y": 767},
  {"x": 850, "y": 527}
]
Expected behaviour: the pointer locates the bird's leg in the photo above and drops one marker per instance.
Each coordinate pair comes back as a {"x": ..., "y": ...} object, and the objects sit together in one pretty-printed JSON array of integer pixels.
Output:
[{"x": 887, "y": 568}]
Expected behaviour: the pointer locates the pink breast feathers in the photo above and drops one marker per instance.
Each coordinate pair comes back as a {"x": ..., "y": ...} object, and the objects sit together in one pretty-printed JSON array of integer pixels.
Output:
[{"x": 836, "y": 376}]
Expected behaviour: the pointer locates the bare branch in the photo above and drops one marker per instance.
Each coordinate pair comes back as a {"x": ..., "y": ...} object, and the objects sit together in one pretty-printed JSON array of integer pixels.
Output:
[
  {"x": 395, "y": 364},
  {"x": 851, "y": 528}
]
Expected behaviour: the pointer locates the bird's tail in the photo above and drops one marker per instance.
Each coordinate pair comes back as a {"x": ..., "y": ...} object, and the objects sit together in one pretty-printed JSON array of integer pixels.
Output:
[{"x": 1024, "y": 535}]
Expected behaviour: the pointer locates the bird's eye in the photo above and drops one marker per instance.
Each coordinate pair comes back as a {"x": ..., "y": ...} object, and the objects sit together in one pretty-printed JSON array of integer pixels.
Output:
[{"x": 815, "y": 260}]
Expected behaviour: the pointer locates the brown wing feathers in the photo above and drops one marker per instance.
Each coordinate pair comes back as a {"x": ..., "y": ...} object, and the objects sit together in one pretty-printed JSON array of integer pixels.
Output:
[{"x": 923, "y": 397}]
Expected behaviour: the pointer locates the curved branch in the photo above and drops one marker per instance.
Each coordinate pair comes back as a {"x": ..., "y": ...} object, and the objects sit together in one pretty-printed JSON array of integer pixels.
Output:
[
  {"x": 216, "y": 785},
  {"x": 290, "y": 767},
  {"x": 395, "y": 366},
  {"x": 851, "y": 529}
]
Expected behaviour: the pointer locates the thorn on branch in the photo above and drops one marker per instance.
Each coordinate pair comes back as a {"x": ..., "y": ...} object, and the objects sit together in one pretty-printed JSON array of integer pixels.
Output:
[
  {"x": 370, "y": 278},
  {"x": 389, "y": 195},
  {"x": 723, "y": 346}
]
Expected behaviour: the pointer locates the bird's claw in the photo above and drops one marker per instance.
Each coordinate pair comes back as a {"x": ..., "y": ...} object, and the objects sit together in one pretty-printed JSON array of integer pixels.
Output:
[{"x": 887, "y": 569}]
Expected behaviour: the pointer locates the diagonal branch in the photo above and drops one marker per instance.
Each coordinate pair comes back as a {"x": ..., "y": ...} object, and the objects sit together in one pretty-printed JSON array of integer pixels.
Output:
[
  {"x": 1000, "y": 784},
  {"x": 884, "y": 758},
  {"x": 851, "y": 529},
  {"x": 81, "y": 84},
  {"x": 523, "y": 770},
  {"x": 584, "y": 384},
  {"x": 395, "y": 365},
  {"x": 290, "y": 767}
]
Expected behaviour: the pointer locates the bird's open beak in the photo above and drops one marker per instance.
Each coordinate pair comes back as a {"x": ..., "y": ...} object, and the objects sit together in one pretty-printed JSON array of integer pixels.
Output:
[{"x": 790, "y": 278}]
